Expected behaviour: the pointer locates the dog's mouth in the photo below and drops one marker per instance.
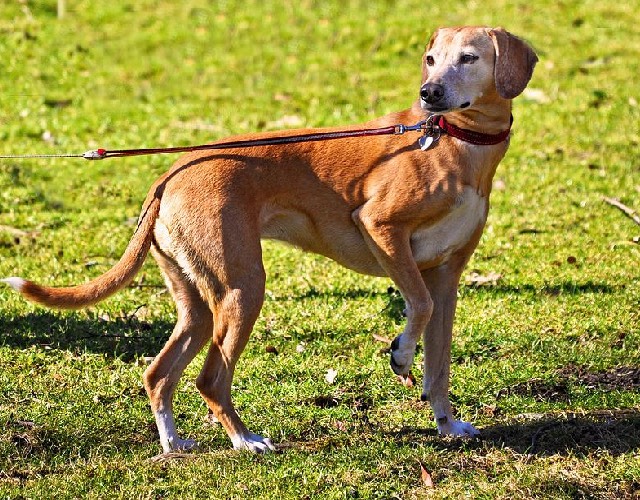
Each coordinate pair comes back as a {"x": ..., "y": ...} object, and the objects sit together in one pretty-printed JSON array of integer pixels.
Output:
[
  {"x": 439, "y": 108},
  {"x": 434, "y": 109}
]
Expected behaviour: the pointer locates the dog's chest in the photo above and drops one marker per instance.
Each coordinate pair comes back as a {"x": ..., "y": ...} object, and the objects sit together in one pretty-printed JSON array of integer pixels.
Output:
[{"x": 435, "y": 242}]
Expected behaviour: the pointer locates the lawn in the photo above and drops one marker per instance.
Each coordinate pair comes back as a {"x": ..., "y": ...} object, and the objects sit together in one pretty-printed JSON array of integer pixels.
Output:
[{"x": 546, "y": 353}]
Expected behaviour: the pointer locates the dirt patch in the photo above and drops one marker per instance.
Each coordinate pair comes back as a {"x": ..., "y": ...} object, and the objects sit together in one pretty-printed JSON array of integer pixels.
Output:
[
  {"x": 538, "y": 389},
  {"x": 618, "y": 435},
  {"x": 547, "y": 434},
  {"x": 357, "y": 404},
  {"x": 626, "y": 378},
  {"x": 623, "y": 378}
]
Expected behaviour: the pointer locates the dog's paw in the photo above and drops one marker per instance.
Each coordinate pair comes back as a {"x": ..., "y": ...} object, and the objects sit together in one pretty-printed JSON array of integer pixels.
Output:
[
  {"x": 176, "y": 444},
  {"x": 450, "y": 427},
  {"x": 401, "y": 359},
  {"x": 253, "y": 442}
]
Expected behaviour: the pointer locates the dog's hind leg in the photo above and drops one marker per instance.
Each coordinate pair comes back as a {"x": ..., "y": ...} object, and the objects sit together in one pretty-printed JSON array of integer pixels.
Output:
[
  {"x": 442, "y": 283},
  {"x": 236, "y": 307},
  {"x": 192, "y": 330}
]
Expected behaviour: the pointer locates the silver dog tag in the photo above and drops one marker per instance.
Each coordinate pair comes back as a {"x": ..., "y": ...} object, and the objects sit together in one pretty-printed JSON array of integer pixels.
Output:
[{"x": 425, "y": 142}]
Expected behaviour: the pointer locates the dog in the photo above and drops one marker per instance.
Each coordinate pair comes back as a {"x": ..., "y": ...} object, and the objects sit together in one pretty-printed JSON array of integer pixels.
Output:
[{"x": 382, "y": 206}]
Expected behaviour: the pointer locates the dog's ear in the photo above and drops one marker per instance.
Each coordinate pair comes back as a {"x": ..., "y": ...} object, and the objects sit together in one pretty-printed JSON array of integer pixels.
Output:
[
  {"x": 433, "y": 39},
  {"x": 515, "y": 61}
]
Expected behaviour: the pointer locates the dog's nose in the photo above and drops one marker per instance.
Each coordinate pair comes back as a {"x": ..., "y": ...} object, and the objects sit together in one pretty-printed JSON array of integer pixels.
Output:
[{"x": 431, "y": 92}]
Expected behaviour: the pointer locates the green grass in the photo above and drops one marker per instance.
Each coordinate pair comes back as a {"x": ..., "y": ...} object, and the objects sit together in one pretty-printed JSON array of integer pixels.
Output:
[{"x": 543, "y": 360}]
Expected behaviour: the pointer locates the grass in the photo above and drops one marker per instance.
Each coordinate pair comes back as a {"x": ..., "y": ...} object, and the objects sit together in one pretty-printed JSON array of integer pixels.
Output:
[{"x": 545, "y": 360}]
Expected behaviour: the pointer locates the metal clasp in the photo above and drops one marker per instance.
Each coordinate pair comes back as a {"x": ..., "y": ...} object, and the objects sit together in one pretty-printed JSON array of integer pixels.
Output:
[
  {"x": 432, "y": 133},
  {"x": 401, "y": 129}
]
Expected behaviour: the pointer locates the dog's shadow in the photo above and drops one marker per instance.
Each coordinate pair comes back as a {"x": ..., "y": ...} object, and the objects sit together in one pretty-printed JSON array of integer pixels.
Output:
[
  {"x": 396, "y": 305},
  {"x": 124, "y": 337},
  {"x": 617, "y": 432},
  {"x": 129, "y": 337}
]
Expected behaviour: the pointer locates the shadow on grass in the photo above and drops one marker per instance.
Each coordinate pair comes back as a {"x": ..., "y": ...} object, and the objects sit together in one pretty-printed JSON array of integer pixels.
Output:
[
  {"x": 126, "y": 338},
  {"x": 617, "y": 432},
  {"x": 130, "y": 337},
  {"x": 33, "y": 450},
  {"x": 313, "y": 293},
  {"x": 396, "y": 305},
  {"x": 565, "y": 288}
]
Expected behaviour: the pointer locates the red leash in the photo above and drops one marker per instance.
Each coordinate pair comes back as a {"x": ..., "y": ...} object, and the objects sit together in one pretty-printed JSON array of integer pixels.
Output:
[
  {"x": 99, "y": 154},
  {"x": 432, "y": 128}
]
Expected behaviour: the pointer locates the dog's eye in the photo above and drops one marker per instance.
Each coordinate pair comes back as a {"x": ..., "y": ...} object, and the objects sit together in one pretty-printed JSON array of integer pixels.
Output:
[
  {"x": 468, "y": 58},
  {"x": 430, "y": 61}
]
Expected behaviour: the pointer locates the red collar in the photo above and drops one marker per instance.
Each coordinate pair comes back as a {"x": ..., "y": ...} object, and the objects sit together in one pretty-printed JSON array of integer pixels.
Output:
[{"x": 470, "y": 136}]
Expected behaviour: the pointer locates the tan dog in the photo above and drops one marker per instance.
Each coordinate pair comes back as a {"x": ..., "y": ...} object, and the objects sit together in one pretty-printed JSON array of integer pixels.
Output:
[{"x": 380, "y": 206}]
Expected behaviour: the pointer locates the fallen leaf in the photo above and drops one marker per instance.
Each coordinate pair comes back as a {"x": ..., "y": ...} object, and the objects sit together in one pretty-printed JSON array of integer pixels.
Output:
[
  {"x": 271, "y": 349},
  {"x": 331, "y": 375},
  {"x": 340, "y": 425},
  {"x": 409, "y": 381},
  {"x": 427, "y": 480}
]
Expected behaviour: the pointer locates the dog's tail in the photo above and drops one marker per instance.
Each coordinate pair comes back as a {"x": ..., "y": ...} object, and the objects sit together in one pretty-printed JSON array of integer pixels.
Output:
[{"x": 116, "y": 278}]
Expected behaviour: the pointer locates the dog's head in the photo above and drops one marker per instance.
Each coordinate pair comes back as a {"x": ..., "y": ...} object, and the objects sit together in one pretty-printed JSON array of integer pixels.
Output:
[{"x": 464, "y": 66}]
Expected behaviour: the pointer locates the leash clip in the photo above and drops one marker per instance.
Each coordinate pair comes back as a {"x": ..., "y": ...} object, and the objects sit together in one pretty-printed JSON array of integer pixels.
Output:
[{"x": 401, "y": 129}]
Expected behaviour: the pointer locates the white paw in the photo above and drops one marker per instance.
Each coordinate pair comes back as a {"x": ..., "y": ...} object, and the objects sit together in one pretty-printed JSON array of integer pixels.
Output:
[
  {"x": 450, "y": 427},
  {"x": 253, "y": 442},
  {"x": 177, "y": 444}
]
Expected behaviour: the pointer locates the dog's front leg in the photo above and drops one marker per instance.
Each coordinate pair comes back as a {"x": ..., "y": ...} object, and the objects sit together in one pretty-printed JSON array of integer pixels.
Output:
[
  {"x": 442, "y": 283},
  {"x": 390, "y": 244}
]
